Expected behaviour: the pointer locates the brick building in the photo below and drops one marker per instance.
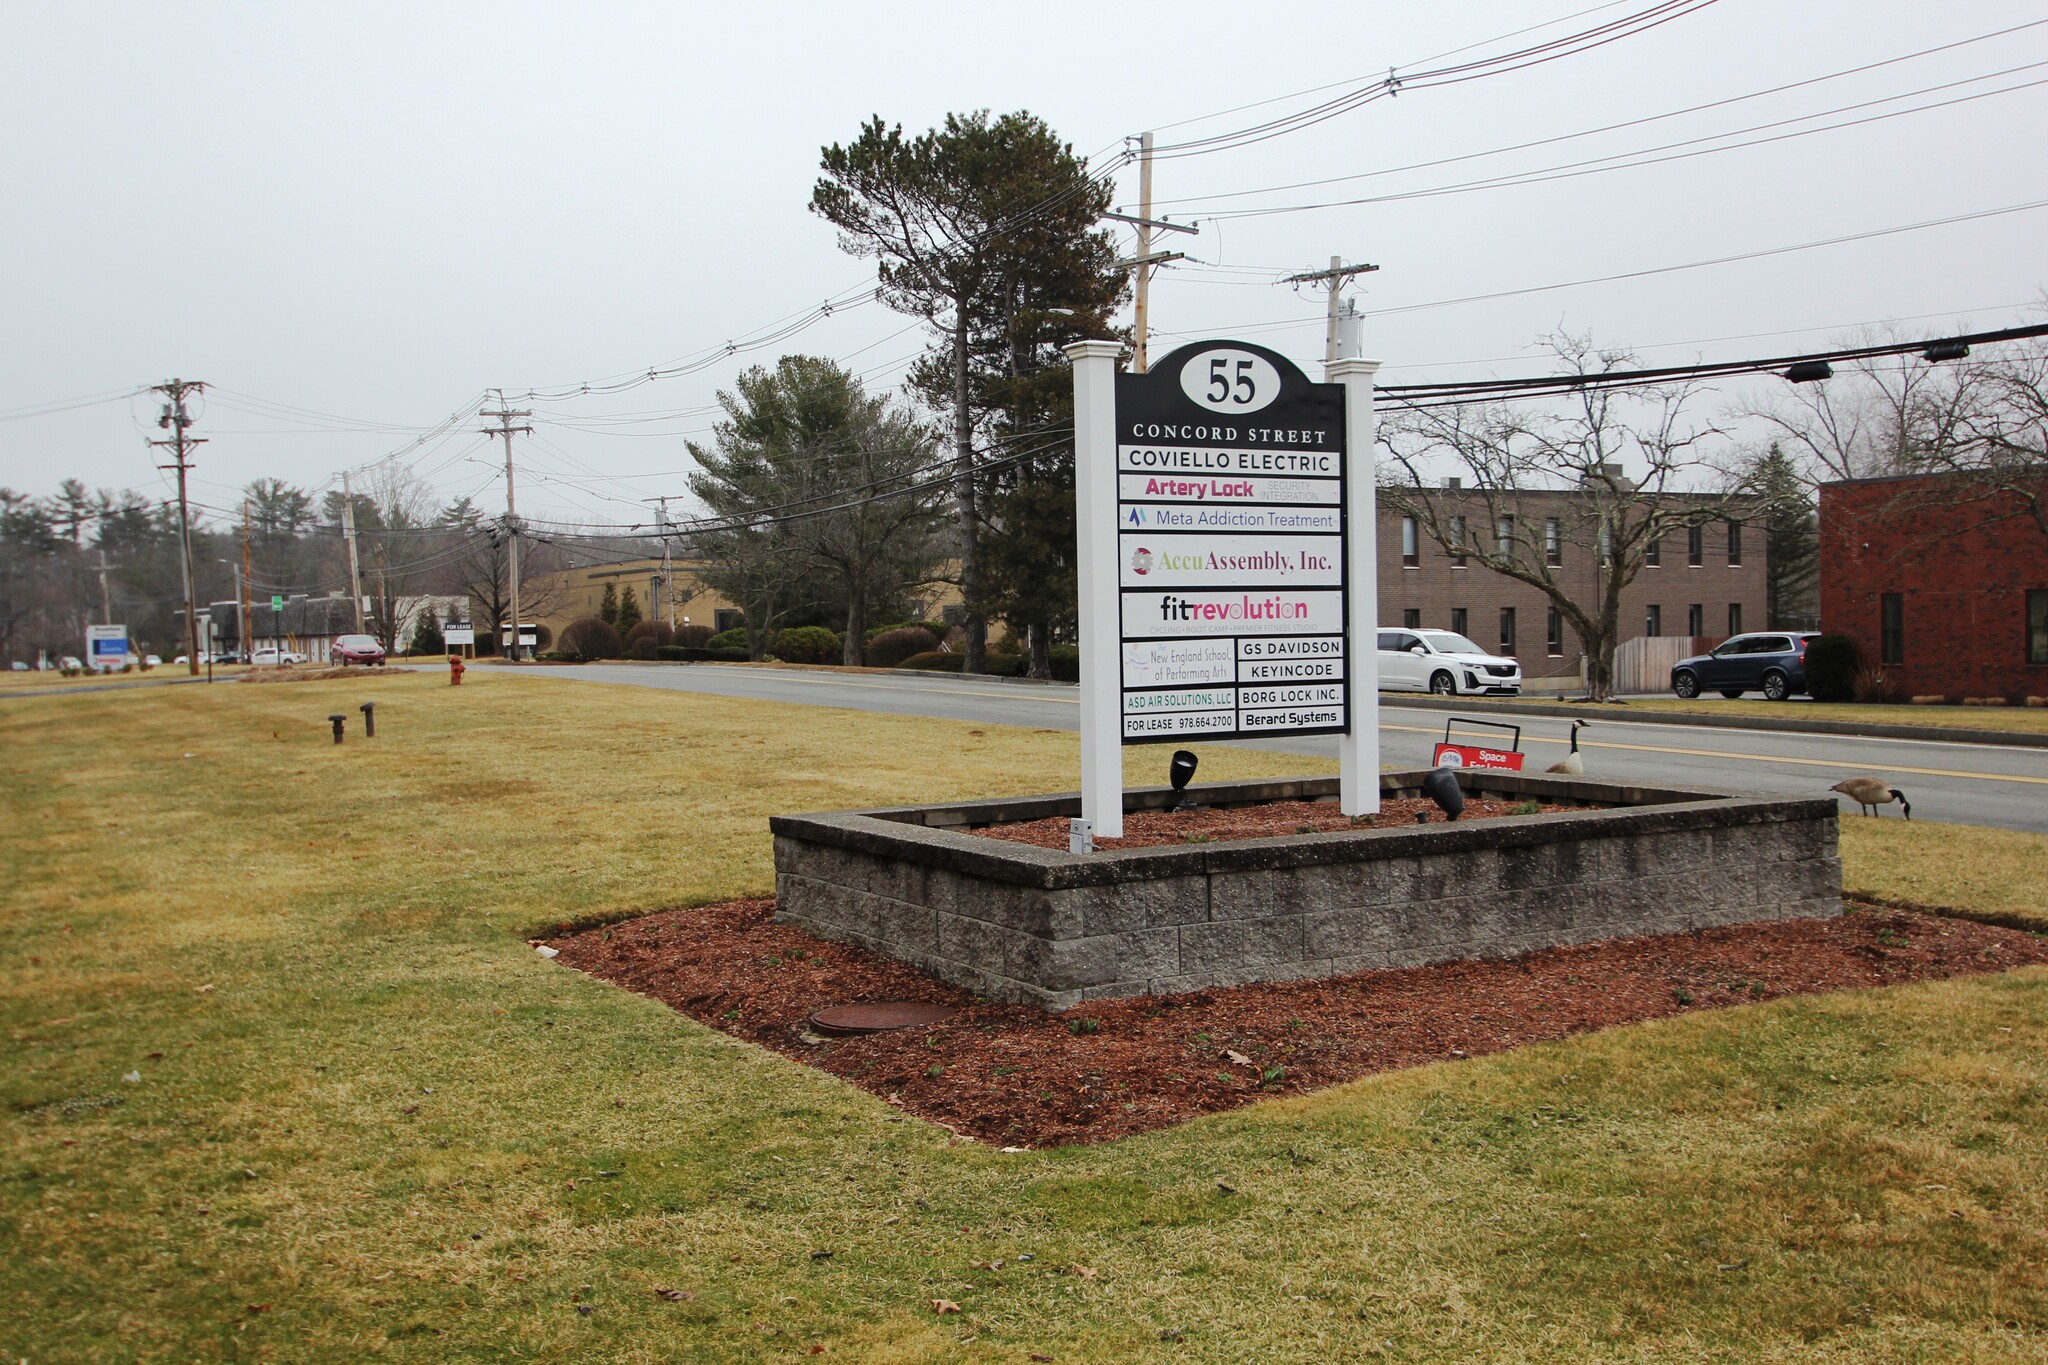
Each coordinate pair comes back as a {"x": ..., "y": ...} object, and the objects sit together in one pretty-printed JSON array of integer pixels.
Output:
[
  {"x": 1942, "y": 581},
  {"x": 1705, "y": 582}
]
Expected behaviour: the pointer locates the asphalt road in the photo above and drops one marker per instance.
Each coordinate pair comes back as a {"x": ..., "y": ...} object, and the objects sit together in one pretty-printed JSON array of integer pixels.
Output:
[{"x": 1971, "y": 784}]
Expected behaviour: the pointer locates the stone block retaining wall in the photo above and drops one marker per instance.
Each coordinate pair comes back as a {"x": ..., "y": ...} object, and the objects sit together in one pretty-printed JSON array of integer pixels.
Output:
[{"x": 1015, "y": 922}]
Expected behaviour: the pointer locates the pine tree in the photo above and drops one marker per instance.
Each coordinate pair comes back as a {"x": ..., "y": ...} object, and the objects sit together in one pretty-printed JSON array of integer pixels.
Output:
[
  {"x": 426, "y": 635},
  {"x": 1792, "y": 540},
  {"x": 608, "y": 610},
  {"x": 628, "y": 615}
]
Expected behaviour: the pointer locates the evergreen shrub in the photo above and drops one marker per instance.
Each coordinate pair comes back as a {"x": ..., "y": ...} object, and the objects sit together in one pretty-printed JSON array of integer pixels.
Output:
[
  {"x": 807, "y": 645},
  {"x": 1832, "y": 665},
  {"x": 736, "y": 638},
  {"x": 996, "y": 665},
  {"x": 725, "y": 656},
  {"x": 670, "y": 654}
]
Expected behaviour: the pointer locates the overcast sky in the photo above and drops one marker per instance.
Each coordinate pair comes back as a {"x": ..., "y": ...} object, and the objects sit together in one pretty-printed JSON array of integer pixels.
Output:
[{"x": 378, "y": 212}]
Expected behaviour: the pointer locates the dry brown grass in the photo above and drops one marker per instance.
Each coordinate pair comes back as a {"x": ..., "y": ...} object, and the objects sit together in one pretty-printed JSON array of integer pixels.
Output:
[
  {"x": 1999, "y": 875},
  {"x": 365, "y": 1108}
]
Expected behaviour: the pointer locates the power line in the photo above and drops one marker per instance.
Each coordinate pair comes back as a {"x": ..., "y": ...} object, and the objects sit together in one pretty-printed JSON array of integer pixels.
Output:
[
  {"x": 1479, "y": 390},
  {"x": 1616, "y": 127},
  {"x": 1647, "y": 156}
]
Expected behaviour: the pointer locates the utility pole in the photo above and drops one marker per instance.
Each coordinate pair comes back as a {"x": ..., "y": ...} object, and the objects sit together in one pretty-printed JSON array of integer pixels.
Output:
[
  {"x": 1333, "y": 279},
  {"x": 175, "y": 420},
  {"x": 106, "y": 598},
  {"x": 1141, "y": 315},
  {"x": 668, "y": 580},
  {"x": 243, "y": 596},
  {"x": 348, "y": 533},
  {"x": 506, "y": 430}
]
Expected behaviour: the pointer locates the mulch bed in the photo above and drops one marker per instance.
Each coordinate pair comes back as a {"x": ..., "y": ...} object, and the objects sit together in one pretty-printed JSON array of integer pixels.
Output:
[
  {"x": 1152, "y": 828},
  {"x": 1015, "y": 1075}
]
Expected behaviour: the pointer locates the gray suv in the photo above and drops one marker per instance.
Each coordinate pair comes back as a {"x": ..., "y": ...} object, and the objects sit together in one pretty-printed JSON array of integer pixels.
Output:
[{"x": 1771, "y": 662}]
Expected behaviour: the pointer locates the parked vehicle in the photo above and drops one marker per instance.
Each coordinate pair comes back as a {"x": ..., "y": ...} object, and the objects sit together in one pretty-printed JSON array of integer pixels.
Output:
[
  {"x": 69, "y": 661},
  {"x": 1771, "y": 662},
  {"x": 356, "y": 649},
  {"x": 151, "y": 661},
  {"x": 281, "y": 658},
  {"x": 19, "y": 667},
  {"x": 1443, "y": 662}
]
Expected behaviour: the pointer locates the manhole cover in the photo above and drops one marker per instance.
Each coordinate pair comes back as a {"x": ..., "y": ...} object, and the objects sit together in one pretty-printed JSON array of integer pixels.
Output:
[{"x": 878, "y": 1016}]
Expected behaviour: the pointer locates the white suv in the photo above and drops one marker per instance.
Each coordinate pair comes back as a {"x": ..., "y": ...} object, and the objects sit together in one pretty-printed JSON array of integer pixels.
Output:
[{"x": 1443, "y": 662}]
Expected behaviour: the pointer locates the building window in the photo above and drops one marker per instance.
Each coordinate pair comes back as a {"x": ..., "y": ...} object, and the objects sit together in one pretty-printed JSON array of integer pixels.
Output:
[
  {"x": 1410, "y": 555},
  {"x": 1653, "y": 553},
  {"x": 2037, "y": 627},
  {"x": 1696, "y": 619},
  {"x": 1504, "y": 537},
  {"x": 1457, "y": 544},
  {"x": 1734, "y": 544},
  {"x": 1553, "y": 545},
  {"x": 1653, "y": 620},
  {"x": 1695, "y": 546},
  {"x": 1891, "y": 628},
  {"x": 1735, "y": 618},
  {"x": 727, "y": 618},
  {"x": 1507, "y": 631},
  {"x": 1411, "y": 618},
  {"x": 1459, "y": 617},
  {"x": 954, "y": 613},
  {"x": 1553, "y": 633}
]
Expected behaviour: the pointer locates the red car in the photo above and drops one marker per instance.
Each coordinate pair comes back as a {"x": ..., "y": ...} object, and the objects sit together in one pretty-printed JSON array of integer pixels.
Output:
[{"x": 357, "y": 649}]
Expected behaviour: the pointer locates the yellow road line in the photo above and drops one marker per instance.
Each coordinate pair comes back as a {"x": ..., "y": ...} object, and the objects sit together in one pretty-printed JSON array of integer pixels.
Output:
[{"x": 1762, "y": 758}]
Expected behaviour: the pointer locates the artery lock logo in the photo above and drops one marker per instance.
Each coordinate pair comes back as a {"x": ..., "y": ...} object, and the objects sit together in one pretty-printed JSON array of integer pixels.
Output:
[{"x": 1141, "y": 561}]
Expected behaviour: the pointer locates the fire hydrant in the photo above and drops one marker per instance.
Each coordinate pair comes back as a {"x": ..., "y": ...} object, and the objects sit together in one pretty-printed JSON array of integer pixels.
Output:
[{"x": 455, "y": 670}]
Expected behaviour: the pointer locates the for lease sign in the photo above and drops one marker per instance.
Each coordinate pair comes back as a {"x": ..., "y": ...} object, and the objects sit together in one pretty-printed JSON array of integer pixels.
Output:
[{"x": 1230, "y": 547}]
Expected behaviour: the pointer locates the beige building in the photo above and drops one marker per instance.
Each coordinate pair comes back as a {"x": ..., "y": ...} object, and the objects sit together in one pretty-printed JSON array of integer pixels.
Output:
[{"x": 576, "y": 593}]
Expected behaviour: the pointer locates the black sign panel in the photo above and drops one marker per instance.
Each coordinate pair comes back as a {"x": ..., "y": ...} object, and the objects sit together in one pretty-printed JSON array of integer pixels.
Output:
[{"x": 1231, "y": 543}]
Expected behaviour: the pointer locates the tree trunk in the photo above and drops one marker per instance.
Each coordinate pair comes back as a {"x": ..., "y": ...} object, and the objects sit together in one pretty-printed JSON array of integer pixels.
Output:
[
  {"x": 976, "y": 625},
  {"x": 854, "y": 652},
  {"x": 1036, "y": 639}
]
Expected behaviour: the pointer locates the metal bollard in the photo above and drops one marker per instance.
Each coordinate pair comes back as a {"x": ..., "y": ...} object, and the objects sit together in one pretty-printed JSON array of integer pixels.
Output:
[
  {"x": 369, "y": 710},
  {"x": 337, "y": 722}
]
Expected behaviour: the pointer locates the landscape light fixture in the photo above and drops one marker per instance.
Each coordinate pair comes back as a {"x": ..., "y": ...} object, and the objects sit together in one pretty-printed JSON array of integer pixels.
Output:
[
  {"x": 1180, "y": 773},
  {"x": 1807, "y": 371},
  {"x": 1944, "y": 350},
  {"x": 1441, "y": 786}
]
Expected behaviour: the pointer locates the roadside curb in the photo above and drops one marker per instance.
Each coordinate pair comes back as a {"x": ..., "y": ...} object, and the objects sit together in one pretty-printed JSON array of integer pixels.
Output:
[{"x": 1576, "y": 711}]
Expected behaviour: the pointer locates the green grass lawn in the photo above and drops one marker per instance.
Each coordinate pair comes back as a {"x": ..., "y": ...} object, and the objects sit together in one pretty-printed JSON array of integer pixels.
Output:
[{"x": 370, "y": 1123}]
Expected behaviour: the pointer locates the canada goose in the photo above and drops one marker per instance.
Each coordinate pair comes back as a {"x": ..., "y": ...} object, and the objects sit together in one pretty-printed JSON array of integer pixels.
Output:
[
  {"x": 1573, "y": 763},
  {"x": 1872, "y": 792}
]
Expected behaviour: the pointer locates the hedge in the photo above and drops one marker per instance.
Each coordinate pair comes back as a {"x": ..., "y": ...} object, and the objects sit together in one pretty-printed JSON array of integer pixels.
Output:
[
  {"x": 997, "y": 665},
  {"x": 1832, "y": 663},
  {"x": 726, "y": 656},
  {"x": 807, "y": 645},
  {"x": 892, "y": 647},
  {"x": 588, "y": 638}
]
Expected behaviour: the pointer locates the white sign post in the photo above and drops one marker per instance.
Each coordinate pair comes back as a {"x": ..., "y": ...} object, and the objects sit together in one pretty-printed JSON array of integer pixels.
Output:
[
  {"x": 1358, "y": 751},
  {"x": 1225, "y": 555},
  {"x": 1102, "y": 755}
]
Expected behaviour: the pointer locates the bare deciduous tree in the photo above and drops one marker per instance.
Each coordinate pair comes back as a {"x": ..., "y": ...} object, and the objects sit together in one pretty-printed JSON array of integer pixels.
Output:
[{"x": 1607, "y": 472}]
